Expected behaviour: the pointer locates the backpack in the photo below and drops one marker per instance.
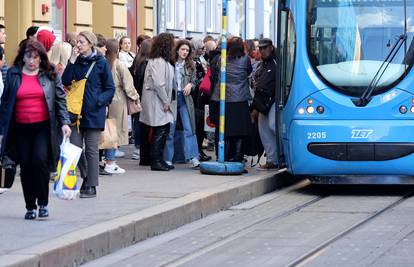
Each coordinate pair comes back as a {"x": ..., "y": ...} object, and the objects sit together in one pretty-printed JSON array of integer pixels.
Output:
[{"x": 74, "y": 98}]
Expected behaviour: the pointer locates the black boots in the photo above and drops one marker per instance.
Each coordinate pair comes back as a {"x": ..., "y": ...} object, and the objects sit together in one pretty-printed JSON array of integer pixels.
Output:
[
  {"x": 145, "y": 145},
  {"x": 159, "y": 137}
]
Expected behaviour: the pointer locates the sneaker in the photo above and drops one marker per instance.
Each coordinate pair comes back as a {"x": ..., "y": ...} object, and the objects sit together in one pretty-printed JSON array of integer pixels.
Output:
[
  {"x": 43, "y": 212},
  {"x": 136, "y": 154},
  {"x": 195, "y": 162},
  {"x": 30, "y": 215},
  {"x": 3, "y": 190},
  {"x": 114, "y": 168},
  {"x": 269, "y": 166},
  {"x": 102, "y": 171},
  {"x": 119, "y": 154}
]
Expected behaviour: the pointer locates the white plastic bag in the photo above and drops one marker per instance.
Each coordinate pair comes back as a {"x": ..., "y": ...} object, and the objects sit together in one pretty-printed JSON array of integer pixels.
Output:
[{"x": 66, "y": 186}]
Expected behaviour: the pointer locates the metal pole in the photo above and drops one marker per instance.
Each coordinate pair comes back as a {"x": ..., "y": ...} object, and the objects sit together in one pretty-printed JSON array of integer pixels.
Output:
[{"x": 223, "y": 81}]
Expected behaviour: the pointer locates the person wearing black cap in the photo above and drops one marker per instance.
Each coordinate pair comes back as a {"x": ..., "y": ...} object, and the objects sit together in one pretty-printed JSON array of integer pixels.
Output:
[{"x": 264, "y": 102}]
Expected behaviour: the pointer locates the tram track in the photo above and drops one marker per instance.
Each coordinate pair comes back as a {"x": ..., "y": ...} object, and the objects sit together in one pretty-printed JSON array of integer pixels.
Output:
[
  {"x": 315, "y": 252},
  {"x": 250, "y": 228},
  {"x": 306, "y": 256}
]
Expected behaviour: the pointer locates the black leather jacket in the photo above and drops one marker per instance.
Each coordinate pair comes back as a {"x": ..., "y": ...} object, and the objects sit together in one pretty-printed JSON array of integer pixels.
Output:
[{"x": 56, "y": 104}]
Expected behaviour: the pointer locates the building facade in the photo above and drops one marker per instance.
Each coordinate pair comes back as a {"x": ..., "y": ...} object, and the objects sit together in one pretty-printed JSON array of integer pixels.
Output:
[
  {"x": 248, "y": 19},
  {"x": 114, "y": 18}
]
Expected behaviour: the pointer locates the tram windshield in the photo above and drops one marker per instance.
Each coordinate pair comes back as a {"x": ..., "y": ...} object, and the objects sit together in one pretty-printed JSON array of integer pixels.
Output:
[{"x": 348, "y": 40}]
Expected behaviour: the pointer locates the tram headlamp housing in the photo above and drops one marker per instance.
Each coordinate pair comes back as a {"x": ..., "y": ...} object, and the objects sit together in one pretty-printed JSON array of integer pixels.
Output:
[
  {"x": 403, "y": 109},
  {"x": 301, "y": 111},
  {"x": 320, "y": 109},
  {"x": 310, "y": 110},
  {"x": 412, "y": 109}
]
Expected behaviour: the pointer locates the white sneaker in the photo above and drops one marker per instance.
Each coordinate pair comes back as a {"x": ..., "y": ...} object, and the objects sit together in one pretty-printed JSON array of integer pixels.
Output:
[
  {"x": 2, "y": 190},
  {"x": 195, "y": 162},
  {"x": 169, "y": 163},
  {"x": 136, "y": 154},
  {"x": 114, "y": 168},
  {"x": 119, "y": 154}
]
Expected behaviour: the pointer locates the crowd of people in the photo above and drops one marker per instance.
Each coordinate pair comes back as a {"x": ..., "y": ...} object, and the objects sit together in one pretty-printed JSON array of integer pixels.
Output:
[{"x": 172, "y": 79}]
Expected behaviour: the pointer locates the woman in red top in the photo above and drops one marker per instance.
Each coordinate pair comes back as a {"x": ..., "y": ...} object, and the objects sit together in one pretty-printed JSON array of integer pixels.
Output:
[{"x": 33, "y": 104}]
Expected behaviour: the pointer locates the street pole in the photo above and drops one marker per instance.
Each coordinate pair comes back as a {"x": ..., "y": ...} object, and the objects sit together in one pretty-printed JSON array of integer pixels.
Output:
[
  {"x": 221, "y": 167},
  {"x": 223, "y": 81}
]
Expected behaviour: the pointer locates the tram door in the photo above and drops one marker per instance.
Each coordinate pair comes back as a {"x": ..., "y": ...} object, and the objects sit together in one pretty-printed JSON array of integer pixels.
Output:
[{"x": 286, "y": 44}]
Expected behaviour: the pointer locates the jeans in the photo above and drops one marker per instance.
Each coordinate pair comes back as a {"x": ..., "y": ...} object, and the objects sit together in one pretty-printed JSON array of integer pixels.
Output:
[
  {"x": 190, "y": 146},
  {"x": 136, "y": 125},
  {"x": 110, "y": 154},
  {"x": 267, "y": 131}
]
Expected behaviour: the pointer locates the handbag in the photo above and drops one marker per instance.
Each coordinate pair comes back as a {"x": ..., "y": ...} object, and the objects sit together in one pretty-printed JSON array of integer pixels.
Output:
[
  {"x": 134, "y": 106},
  {"x": 205, "y": 83},
  {"x": 109, "y": 137},
  {"x": 74, "y": 98},
  {"x": 262, "y": 103},
  {"x": 7, "y": 172}
]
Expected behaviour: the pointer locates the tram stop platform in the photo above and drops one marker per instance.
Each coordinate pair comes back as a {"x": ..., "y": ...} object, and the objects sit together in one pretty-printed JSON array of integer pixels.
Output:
[{"x": 128, "y": 208}]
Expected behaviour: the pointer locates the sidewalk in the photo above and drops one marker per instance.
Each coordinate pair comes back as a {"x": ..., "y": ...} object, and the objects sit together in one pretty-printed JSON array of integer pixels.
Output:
[{"x": 129, "y": 208}]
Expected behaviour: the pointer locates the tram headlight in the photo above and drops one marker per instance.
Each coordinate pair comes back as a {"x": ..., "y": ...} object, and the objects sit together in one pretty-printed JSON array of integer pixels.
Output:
[
  {"x": 320, "y": 109},
  {"x": 310, "y": 110},
  {"x": 310, "y": 101},
  {"x": 412, "y": 109},
  {"x": 403, "y": 109},
  {"x": 301, "y": 111}
]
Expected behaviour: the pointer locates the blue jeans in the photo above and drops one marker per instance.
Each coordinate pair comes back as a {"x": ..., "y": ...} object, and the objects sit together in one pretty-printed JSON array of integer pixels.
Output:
[
  {"x": 136, "y": 125},
  {"x": 190, "y": 140},
  {"x": 110, "y": 154}
]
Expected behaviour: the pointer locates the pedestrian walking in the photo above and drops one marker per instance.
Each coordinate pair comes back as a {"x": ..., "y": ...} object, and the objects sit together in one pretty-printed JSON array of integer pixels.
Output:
[
  {"x": 141, "y": 131},
  {"x": 264, "y": 87},
  {"x": 159, "y": 106},
  {"x": 99, "y": 91},
  {"x": 33, "y": 105},
  {"x": 124, "y": 90},
  {"x": 185, "y": 78},
  {"x": 237, "y": 121}
]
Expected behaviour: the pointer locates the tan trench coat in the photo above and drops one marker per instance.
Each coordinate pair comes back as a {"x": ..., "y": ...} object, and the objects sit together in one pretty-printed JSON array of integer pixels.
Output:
[{"x": 124, "y": 87}]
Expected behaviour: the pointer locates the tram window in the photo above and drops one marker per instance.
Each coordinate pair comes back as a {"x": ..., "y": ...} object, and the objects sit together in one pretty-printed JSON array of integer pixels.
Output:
[
  {"x": 349, "y": 40},
  {"x": 287, "y": 52}
]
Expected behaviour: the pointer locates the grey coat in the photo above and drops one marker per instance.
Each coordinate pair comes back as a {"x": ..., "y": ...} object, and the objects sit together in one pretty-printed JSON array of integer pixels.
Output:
[
  {"x": 189, "y": 76},
  {"x": 237, "y": 80},
  {"x": 159, "y": 89}
]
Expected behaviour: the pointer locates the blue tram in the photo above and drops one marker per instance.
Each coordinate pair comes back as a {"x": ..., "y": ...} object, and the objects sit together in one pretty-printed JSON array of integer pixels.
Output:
[{"x": 346, "y": 88}]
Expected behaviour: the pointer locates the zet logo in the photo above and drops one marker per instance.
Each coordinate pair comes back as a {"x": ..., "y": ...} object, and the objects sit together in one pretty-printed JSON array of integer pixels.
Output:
[{"x": 361, "y": 134}]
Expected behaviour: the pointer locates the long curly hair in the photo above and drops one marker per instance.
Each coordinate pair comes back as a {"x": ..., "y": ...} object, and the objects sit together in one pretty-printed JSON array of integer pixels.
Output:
[
  {"x": 33, "y": 46},
  {"x": 189, "y": 63},
  {"x": 162, "y": 46}
]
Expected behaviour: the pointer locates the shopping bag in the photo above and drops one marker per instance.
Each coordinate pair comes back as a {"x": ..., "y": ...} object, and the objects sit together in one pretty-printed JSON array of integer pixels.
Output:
[
  {"x": 66, "y": 186},
  {"x": 109, "y": 137},
  {"x": 208, "y": 125}
]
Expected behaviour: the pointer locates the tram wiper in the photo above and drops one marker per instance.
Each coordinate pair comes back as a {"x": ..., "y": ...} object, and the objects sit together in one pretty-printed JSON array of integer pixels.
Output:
[{"x": 364, "y": 99}]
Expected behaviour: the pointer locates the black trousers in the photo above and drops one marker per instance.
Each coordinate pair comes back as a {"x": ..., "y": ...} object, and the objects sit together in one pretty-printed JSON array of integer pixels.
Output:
[{"x": 34, "y": 156}]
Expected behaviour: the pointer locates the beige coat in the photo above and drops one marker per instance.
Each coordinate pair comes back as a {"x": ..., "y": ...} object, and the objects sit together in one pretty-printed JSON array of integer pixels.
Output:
[
  {"x": 124, "y": 87},
  {"x": 159, "y": 89}
]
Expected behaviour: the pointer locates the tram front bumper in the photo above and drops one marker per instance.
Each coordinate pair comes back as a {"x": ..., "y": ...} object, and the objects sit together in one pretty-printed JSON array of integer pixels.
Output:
[{"x": 341, "y": 147}]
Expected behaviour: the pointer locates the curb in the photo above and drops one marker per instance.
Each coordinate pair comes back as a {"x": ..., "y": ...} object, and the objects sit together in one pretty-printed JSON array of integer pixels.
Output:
[{"x": 101, "y": 239}]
